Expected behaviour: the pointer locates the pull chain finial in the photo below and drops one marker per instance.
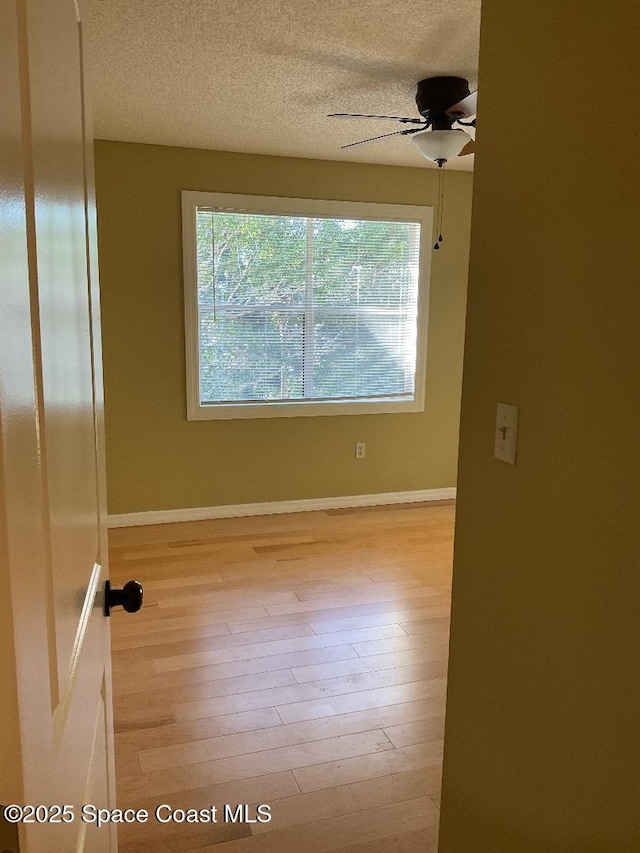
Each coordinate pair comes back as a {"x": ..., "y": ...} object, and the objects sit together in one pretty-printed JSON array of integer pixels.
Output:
[{"x": 440, "y": 202}]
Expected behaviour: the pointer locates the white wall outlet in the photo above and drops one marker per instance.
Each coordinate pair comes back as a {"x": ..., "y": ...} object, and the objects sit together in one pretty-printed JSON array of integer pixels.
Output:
[
  {"x": 506, "y": 433},
  {"x": 360, "y": 450}
]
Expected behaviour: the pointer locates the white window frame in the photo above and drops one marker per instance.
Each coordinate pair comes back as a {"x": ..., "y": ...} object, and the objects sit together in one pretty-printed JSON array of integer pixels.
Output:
[{"x": 191, "y": 201}]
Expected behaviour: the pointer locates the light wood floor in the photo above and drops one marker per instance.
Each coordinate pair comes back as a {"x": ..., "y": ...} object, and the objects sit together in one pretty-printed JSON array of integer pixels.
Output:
[{"x": 293, "y": 660}]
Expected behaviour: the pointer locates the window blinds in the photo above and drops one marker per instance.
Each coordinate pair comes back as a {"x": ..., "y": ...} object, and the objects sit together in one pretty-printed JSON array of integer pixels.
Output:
[{"x": 295, "y": 308}]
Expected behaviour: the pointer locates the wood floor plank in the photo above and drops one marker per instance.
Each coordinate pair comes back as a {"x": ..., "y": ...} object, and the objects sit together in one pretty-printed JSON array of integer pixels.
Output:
[
  {"x": 366, "y": 587},
  {"x": 259, "y": 789},
  {"x": 382, "y": 608},
  {"x": 136, "y": 669},
  {"x": 279, "y": 579},
  {"x": 127, "y": 764},
  {"x": 293, "y": 537},
  {"x": 437, "y": 636},
  {"x": 220, "y": 671},
  {"x": 228, "y": 598},
  {"x": 370, "y": 663},
  {"x": 423, "y": 626},
  {"x": 417, "y": 731},
  {"x": 322, "y": 603},
  {"x": 222, "y": 687},
  {"x": 133, "y": 719},
  {"x": 196, "y": 730},
  {"x": 367, "y": 621},
  {"x": 346, "y": 799},
  {"x": 296, "y": 693},
  {"x": 258, "y": 738},
  {"x": 164, "y": 562},
  {"x": 313, "y": 709},
  {"x": 225, "y": 651},
  {"x": 296, "y": 660},
  {"x": 420, "y": 841},
  {"x": 180, "y": 838},
  {"x": 169, "y": 621},
  {"x": 164, "y": 635},
  {"x": 176, "y": 647},
  {"x": 304, "y": 755},
  {"x": 367, "y": 827},
  {"x": 369, "y": 766}
]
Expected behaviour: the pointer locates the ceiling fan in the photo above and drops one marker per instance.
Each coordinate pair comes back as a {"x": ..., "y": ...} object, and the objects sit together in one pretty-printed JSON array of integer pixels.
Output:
[{"x": 442, "y": 102}]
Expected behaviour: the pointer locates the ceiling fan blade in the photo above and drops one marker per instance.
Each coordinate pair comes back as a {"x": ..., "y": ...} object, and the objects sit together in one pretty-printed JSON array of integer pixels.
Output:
[
  {"x": 403, "y": 119},
  {"x": 469, "y": 148},
  {"x": 465, "y": 108},
  {"x": 384, "y": 135}
]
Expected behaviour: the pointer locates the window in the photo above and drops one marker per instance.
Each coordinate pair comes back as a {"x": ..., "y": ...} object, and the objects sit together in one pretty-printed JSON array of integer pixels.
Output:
[{"x": 303, "y": 307}]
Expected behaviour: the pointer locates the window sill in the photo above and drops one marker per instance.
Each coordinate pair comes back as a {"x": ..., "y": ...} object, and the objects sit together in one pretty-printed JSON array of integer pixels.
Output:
[{"x": 303, "y": 409}]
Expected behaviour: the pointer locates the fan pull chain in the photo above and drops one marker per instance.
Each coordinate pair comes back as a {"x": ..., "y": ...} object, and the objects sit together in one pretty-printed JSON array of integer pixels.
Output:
[{"x": 440, "y": 210}]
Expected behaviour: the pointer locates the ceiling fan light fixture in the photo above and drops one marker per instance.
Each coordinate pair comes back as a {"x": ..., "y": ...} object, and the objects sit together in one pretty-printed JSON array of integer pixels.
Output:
[{"x": 440, "y": 145}]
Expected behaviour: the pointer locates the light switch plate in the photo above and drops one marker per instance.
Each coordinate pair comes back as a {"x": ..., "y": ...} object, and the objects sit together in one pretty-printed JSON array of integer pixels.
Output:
[{"x": 506, "y": 433}]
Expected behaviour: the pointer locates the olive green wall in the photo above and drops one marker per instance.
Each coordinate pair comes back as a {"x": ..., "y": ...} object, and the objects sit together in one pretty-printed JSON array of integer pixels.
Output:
[
  {"x": 156, "y": 459},
  {"x": 542, "y": 748}
]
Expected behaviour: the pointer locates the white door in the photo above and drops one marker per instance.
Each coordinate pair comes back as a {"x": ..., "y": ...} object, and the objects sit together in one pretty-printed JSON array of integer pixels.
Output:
[{"x": 57, "y": 743}]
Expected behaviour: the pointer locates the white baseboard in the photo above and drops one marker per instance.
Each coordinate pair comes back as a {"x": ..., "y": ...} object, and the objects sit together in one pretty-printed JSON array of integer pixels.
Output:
[{"x": 168, "y": 516}]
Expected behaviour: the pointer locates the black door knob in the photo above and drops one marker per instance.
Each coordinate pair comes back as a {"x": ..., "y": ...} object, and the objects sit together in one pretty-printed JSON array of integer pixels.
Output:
[{"x": 129, "y": 597}]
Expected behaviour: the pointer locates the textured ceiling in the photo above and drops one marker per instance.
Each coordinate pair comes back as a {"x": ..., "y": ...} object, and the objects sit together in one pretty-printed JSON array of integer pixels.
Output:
[{"x": 260, "y": 76}]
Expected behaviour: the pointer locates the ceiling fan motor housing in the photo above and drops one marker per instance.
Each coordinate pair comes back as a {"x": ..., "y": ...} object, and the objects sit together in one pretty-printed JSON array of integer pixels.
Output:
[{"x": 436, "y": 94}]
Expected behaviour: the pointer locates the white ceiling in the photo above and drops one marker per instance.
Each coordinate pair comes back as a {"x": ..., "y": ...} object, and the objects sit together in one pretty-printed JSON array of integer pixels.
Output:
[{"x": 260, "y": 76}]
